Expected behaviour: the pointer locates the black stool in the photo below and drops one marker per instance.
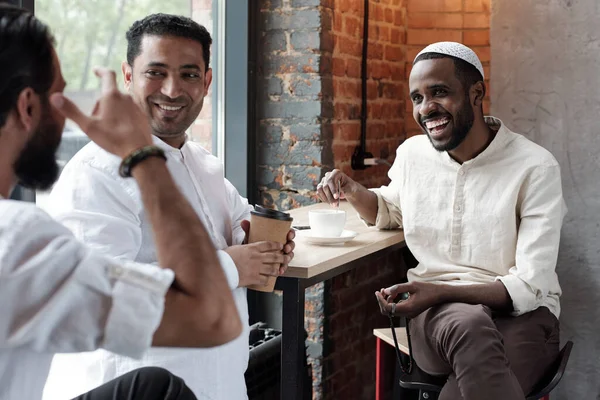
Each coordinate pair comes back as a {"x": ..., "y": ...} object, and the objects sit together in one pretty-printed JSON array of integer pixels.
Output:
[{"x": 429, "y": 387}]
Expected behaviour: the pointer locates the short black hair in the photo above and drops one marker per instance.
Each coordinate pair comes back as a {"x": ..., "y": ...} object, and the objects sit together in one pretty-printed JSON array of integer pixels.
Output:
[
  {"x": 465, "y": 72},
  {"x": 26, "y": 48},
  {"x": 166, "y": 25}
]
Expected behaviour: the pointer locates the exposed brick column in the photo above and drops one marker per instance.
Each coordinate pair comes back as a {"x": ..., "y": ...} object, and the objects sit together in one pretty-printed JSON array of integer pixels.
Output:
[{"x": 296, "y": 107}]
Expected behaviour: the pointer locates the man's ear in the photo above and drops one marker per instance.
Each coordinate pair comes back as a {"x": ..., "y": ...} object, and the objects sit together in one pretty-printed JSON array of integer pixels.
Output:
[
  {"x": 28, "y": 109},
  {"x": 478, "y": 93},
  {"x": 207, "y": 79},
  {"x": 127, "y": 74}
]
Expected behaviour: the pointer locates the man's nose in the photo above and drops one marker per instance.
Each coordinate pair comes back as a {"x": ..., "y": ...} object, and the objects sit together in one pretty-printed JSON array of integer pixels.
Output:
[
  {"x": 171, "y": 87},
  {"x": 427, "y": 107}
]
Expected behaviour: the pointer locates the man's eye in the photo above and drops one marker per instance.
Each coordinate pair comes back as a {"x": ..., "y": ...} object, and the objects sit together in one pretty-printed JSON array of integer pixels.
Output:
[
  {"x": 440, "y": 92},
  {"x": 417, "y": 98},
  {"x": 191, "y": 76},
  {"x": 153, "y": 73}
]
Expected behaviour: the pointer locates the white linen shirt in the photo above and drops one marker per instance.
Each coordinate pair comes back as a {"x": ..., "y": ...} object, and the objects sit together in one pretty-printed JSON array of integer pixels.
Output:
[
  {"x": 56, "y": 295},
  {"x": 495, "y": 217},
  {"x": 106, "y": 212}
]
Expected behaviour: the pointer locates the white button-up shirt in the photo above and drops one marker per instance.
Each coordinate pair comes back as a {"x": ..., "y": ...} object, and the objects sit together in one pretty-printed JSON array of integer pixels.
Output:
[
  {"x": 106, "y": 212},
  {"x": 57, "y": 295},
  {"x": 495, "y": 217}
]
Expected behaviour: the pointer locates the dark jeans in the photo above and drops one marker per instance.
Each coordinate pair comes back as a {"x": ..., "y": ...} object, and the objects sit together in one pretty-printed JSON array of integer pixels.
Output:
[{"x": 150, "y": 383}]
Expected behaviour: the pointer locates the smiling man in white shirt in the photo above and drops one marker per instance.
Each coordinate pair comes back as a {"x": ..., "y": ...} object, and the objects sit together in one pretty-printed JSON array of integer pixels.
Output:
[
  {"x": 481, "y": 208},
  {"x": 167, "y": 73},
  {"x": 57, "y": 294}
]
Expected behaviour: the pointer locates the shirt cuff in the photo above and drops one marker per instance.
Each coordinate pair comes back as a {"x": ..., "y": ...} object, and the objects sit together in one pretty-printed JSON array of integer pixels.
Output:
[
  {"x": 383, "y": 220},
  {"x": 138, "y": 299},
  {"x": 523, "y": 299},
  {"x": 229, "y": 268}
]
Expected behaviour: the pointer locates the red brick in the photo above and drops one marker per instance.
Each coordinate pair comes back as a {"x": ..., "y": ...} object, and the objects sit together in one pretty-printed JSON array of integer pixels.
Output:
[
  {"x": 399, "y": 17},
  {"x": 428, "y": 36},
  {"x": 397, "y": 36},
  {"x": 338, "y": 21},
  {"x": 476, "y": 21},
  {"x": 435, "y": 20},
  {"x": 353, "y": 68},
  {"x": 375, "y": 51},
  {"x": 479, "y": 37},
  {"x": 352, "y": 26},
  {"x": 484, "y": 53},
  {"x": 394, "y": 53},
  {"x": 477, "y": 5},
  {"x": 434, "y": 5},
  {"x": 383, "y": 33},
  {"x": 338, "y": 67},
  {"x": 349, "y": 46},
  {"x": 389, "y": 15}
]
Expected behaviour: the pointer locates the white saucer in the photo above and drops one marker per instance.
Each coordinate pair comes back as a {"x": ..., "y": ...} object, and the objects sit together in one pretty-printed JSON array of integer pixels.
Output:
[{"x": 343, "y": 238}]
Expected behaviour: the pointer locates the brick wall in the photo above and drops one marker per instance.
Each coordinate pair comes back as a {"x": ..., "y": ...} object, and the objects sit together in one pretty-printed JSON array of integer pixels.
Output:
[
  {"x": 386, "y": 86},
  {"x": 464, "y": 21}
]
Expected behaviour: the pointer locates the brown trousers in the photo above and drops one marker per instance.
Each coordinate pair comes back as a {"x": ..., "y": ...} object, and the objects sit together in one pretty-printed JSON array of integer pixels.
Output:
[{"x": 487, "y": 356}]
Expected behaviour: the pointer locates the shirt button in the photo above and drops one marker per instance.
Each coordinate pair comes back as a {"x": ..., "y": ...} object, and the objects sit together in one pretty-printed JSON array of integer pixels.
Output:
[
  {"x": 455, "y": 242},
  {"x": 118, "y": 271},
  {"x": 458, "y": 208},
  {"x": 461, "y": 172}
]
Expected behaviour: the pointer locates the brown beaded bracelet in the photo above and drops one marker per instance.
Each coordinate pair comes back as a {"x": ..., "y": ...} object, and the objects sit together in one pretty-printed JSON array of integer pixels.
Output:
[{"x": 138, "y": 156}]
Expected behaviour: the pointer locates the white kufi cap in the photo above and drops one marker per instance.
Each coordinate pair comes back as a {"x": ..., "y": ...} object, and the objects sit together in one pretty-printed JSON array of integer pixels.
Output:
[{"x": 456, "y": 50}]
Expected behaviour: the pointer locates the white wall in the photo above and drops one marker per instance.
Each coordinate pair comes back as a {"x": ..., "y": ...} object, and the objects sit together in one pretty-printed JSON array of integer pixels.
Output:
[{"x": 545, "y": 83}]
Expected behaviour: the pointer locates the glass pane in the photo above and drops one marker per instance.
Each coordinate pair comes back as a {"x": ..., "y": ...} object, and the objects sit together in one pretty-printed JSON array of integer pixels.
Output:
[{"x": 91, "y": 33}]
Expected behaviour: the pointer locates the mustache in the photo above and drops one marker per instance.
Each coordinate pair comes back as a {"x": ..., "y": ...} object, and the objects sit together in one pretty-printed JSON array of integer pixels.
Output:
[
  {"x": 433, "y": 116},
  {"x": 178, "y": 101}
]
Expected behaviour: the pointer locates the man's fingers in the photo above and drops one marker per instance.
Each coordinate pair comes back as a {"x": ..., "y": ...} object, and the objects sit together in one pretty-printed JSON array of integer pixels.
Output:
[
  {"x": 397, "y": 289},
  {"x": 265, "y": 247},
  {"x": 269, "y": 269},
  {"x": 289, "y": 247},
  {"x": 274, "y": 258},
  {"x": 68, "y": 109},
  {"x": 291, "y": 235},
  {"x": 108, "y": 79},
  {"x": 384, "y": 306}
]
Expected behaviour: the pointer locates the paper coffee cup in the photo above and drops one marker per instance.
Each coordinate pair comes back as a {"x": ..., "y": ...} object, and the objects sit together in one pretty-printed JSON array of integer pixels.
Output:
[{"x": 268, "y": 225}]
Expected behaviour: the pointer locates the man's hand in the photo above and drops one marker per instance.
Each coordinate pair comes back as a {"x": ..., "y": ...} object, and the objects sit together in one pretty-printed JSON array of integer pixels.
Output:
[
  {"x": 116, "y": 124},
  {"x": 422, "y": 295},
  {"x": 327, "y": 189},
  {"x": 257, "y": 261},
  {"x": 288, "y": 248}
]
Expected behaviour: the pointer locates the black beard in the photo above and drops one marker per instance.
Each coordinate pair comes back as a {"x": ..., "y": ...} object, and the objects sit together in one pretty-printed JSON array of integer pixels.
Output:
[
  {"x": 462, "y": 124},
  {"x": 36, "y": 167}
]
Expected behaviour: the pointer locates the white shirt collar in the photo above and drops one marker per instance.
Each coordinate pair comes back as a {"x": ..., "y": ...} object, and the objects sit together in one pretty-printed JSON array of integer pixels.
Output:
[{"x": 166, "y": 147}]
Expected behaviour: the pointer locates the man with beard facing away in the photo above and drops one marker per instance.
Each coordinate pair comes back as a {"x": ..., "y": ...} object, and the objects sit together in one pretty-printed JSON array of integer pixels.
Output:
[
  {"x": 57, "y": 294},
  {"x": 167, "y": 73},
  {"x": 481, "y": 208}
]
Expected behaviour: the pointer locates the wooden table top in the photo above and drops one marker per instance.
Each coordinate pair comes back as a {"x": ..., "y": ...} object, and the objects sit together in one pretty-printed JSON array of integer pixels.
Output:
[{"x": 311, "y": 259}]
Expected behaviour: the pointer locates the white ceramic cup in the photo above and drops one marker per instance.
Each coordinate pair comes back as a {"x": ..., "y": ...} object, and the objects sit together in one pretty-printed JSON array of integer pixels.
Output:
[{"x": 327, "y": 223}]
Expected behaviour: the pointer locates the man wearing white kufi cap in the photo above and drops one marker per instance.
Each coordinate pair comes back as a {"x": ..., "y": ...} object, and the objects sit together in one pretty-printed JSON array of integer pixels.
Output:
[{"x": 481, "y": 208}]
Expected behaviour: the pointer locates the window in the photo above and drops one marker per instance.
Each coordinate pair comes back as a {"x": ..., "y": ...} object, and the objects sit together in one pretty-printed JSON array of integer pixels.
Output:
[{"x": 92, "y": 32}]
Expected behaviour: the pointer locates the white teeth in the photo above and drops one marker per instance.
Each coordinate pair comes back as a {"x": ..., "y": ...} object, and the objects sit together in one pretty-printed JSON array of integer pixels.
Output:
[
  {"x": 437, "y": 122},
  {"x": 169, "y": 108}
]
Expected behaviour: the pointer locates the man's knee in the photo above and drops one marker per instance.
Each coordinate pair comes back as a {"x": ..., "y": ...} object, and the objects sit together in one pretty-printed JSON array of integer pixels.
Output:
[{"x": 463, "y": 321}]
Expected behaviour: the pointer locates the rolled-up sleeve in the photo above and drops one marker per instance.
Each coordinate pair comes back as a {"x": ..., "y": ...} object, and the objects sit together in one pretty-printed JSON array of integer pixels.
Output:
[
  {"x": 542, "y": 210},
  {"x": 60, "y": 296},
  {"x": 389, "y": 211}
]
